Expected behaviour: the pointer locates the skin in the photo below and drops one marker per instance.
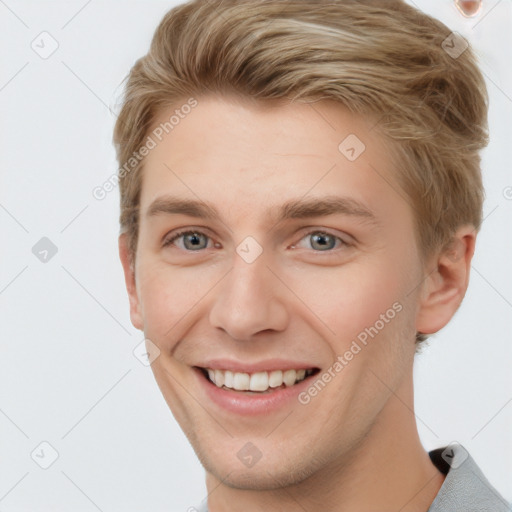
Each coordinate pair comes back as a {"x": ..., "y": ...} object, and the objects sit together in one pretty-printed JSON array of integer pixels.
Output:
[{"x": 355, "y": 445}]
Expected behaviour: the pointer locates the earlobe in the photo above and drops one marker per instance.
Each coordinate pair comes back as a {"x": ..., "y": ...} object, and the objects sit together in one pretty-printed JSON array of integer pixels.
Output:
[
  {"x": 129, "y": 277},
  {"x": 445, "y": 286}
]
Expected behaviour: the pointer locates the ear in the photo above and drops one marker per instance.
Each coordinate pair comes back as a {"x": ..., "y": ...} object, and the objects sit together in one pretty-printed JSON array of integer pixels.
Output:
[
  {"x": 445, "y": 286},
  {"x": 129, "y": 277}
]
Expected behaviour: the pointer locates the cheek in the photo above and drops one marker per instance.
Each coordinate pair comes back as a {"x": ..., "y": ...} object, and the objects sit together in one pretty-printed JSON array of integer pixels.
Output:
[
  {"x": 167, "y": 295},
  {"x": 351, "y": 298}
]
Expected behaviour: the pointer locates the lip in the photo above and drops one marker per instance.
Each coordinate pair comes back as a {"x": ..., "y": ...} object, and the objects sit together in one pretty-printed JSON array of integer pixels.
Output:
[
  {"x": 262, "y": 366},
  {"x": 240, "y": 403}
]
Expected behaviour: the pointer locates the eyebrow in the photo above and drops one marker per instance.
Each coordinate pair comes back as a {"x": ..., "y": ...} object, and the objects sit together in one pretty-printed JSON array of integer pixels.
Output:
[{"x": 292, "y": 209}]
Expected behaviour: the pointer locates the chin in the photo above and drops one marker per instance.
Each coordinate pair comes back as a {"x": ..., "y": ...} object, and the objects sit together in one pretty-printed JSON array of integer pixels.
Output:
[{"x": 264, "y": 475}]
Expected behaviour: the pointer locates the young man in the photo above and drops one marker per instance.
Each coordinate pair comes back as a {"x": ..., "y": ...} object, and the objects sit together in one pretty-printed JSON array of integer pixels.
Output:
[{"x": 300, "y": 197}]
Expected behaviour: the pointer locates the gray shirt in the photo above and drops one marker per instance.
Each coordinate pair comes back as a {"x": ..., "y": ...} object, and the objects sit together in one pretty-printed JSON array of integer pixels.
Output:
[{"x": 465, "y": 488}]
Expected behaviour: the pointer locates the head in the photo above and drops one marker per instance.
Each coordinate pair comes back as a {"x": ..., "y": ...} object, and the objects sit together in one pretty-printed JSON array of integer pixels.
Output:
[{"x": 248, "y": 109}]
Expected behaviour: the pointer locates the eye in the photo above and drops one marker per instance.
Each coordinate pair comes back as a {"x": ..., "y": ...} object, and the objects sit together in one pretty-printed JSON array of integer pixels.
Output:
[
  {"x": 192, "y": 240},
  {"x": 195, "y": 240},
  {"x": 323, "y": 241}
]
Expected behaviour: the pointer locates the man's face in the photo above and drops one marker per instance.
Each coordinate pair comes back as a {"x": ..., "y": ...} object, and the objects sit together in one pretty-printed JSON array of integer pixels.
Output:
[{"x": 253, "y": 292}]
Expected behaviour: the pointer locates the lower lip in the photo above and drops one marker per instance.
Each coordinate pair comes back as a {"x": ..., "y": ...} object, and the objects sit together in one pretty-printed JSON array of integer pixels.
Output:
[{"x": 250, "y": 405}]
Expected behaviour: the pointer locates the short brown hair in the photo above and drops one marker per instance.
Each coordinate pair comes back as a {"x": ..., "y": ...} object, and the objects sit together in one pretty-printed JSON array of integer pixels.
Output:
[{"x": 379, "y": 58}]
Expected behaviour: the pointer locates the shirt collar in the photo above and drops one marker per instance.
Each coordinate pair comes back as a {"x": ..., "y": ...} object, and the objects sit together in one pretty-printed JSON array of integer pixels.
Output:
[{"x": 465, "y": 487}]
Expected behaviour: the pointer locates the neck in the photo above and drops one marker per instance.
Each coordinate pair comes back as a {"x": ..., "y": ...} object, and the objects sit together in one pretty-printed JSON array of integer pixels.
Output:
[{"x": 389, "y": 470}]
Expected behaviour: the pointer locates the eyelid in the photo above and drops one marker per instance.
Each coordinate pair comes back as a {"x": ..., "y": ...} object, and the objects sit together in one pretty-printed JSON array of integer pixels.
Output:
[
  {"x": 170, "y": 237},
  {"x": 312, "y": 230}
]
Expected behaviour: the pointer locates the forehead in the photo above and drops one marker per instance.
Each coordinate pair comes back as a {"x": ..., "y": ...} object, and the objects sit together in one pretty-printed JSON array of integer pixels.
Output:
[{"x": 251, "y": 155}]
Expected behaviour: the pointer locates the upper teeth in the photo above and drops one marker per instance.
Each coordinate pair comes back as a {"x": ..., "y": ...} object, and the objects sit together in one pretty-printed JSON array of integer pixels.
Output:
[{"x": 259, "y": 381}]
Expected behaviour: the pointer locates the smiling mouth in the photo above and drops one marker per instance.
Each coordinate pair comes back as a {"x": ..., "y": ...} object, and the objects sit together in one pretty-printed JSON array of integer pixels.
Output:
[{"x": 258, "y": 382}]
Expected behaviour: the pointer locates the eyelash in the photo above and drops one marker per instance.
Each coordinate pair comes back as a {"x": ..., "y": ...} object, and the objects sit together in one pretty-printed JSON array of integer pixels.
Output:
[{"x": 179, "y": 234}]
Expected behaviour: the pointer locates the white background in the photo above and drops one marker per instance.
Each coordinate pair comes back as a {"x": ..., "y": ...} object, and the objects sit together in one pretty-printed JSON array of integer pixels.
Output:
[{"x": 67, "y": 372}]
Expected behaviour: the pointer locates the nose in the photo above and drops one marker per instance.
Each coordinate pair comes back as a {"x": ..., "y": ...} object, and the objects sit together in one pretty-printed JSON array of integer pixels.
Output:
[{"x": 250, "y": 299}]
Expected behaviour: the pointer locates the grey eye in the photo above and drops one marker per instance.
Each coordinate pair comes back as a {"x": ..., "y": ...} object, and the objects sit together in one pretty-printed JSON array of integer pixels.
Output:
[
  {"x": 322, "y": 241},
  {"x": 188, "y": 240},
  {"x": 192, "y": 240}
]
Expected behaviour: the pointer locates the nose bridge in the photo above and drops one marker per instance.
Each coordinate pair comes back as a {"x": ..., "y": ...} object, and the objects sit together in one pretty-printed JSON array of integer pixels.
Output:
[{"x": 248, "y": 299}]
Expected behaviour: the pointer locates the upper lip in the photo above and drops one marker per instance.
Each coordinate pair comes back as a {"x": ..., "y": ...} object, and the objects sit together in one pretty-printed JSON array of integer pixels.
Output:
[{"x": 261, "y": 366}]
